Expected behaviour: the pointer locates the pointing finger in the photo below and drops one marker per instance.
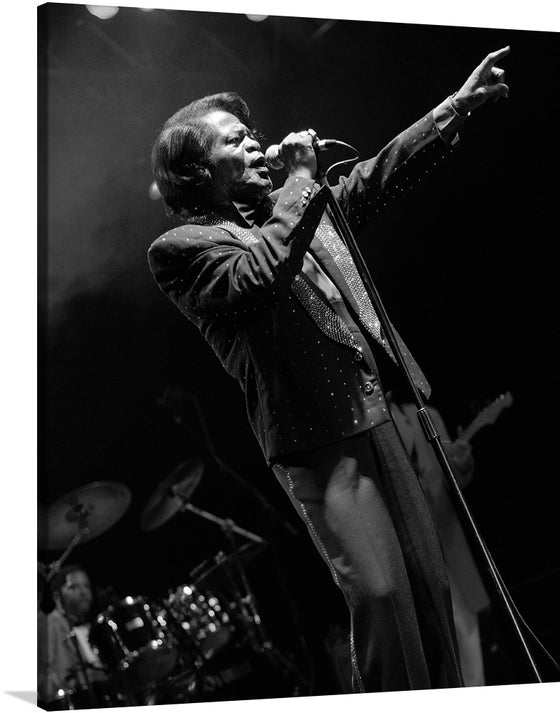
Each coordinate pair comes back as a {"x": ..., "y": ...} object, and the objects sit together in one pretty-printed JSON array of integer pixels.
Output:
[{"x": 491, "y": 59}]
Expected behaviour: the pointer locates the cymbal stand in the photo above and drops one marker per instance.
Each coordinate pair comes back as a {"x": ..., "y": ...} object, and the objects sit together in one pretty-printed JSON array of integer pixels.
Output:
[
  {"x": 83, "y": 531},
  {"x": 218, "y": 520},
  {"x": 258, "y": 636},
  {"x": 257, "y": 633},
  {"x": 260, "y": 640},
  {"x": 229, "y": 528},
  {"x": 209, "y": 448}
]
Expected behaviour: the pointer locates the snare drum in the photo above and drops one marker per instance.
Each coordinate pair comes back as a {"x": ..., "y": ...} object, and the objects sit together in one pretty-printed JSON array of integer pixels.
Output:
[
  {"x": 132, "y": 637},
  {"x": 201, "y": 617}
]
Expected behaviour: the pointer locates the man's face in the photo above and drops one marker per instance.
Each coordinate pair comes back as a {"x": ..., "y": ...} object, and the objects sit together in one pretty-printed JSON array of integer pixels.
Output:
[
  {"x": 238, "y": 166},
  {"x": 75, "y": 595}
]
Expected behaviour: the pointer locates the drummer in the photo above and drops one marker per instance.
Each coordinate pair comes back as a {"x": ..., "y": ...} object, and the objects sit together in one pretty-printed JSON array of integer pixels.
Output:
[{"x": 66, "y": 661}]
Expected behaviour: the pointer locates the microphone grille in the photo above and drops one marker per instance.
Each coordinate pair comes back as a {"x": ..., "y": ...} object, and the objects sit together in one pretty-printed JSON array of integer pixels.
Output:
[{"x": 272, "y": 158}]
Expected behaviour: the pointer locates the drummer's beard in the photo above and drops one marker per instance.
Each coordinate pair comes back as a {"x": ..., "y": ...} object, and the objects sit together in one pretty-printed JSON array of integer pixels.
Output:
[{"x": 79, "y": 612}]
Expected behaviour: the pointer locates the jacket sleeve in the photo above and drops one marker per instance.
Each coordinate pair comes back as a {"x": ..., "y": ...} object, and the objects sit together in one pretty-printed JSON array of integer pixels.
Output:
[
  {"x": 208, "y": 272},
  {"x": 375, "y": 184}
]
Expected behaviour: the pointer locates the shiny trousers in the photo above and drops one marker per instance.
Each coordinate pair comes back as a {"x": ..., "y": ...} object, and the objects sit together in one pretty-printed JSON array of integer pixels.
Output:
[{"x": 368, "y": 517}]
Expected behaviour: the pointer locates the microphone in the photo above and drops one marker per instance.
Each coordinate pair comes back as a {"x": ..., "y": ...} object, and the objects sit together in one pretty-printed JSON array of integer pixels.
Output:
[{"x": 274, "y": 161}]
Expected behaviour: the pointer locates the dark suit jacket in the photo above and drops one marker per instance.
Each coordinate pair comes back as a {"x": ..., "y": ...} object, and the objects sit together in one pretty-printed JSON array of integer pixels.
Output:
[{"x": 309, "y": 377}]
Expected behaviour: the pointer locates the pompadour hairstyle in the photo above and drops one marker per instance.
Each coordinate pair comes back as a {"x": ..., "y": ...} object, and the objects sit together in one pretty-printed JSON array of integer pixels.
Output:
[{"x": 180, "y": 155}]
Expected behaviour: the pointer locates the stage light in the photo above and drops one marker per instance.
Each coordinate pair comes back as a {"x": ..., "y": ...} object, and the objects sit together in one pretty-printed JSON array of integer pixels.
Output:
[
  {"x": 103, "y": 12},
  {"x": 256, "y": 18}
]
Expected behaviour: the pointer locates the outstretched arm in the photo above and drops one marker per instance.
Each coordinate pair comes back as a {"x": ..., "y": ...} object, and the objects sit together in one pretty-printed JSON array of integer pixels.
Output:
[{"x": 376, "y": 184}]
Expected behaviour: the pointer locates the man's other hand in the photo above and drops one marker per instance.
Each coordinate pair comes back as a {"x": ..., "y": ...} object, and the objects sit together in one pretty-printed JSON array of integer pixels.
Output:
[{"x": 486, "y": 82}]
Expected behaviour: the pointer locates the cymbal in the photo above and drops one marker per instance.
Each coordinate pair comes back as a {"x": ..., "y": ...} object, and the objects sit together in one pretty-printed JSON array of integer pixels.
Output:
[
  {"x": 211, "y": 571},
  {"x": 96, "y": 506},
  {"x": 163, "y": 504}
]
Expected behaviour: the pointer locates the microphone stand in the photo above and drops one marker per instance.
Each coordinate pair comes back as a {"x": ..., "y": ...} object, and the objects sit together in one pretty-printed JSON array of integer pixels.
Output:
[{"x": 430, "y": 431}]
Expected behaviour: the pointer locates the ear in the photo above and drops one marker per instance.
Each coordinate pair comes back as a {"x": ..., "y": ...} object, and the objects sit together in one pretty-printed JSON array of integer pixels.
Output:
[{"x": 195, "y": 175}]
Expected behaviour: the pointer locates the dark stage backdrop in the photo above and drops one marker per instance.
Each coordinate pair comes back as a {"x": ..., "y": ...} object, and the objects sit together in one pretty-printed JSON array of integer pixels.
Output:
[{"x": 466, "y": 265}]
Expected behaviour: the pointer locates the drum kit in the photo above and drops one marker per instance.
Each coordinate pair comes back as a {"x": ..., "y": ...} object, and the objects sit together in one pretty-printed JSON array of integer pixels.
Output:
[{"x": 202, "y": 641}]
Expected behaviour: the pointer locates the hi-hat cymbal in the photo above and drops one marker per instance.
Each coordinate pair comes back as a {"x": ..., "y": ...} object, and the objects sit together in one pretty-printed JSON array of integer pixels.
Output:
[
  {"x": 92, "y": 509},
  {"x": 217, "y": 569},
  {"x": 170, "y": 495}
]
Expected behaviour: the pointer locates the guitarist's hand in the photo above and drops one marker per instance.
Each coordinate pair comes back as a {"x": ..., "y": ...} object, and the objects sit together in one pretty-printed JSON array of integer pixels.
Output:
[{"x": 460, "y": 454}]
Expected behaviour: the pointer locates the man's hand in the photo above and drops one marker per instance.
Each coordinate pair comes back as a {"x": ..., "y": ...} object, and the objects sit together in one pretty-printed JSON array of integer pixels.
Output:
[
  {"x": 298, "y": 154},
  {"x": 486, "y": 82},
  {"x": 459, "y": 453}
]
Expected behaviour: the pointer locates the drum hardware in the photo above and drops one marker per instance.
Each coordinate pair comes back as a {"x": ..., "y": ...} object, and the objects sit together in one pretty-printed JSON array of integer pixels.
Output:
[
  {"x": 216, "y": 571},
  {"x": 172, "y": 496},
  {"x": 80, "y": 516},
  {"x": 132, "y": 638},
  {"x": 244, "y": 602},
  {"x": 182, "y": 405},
  {"x": 222, "y": 578},
  {"x": 202, "y": 621},
  {"x": 162, "y": 504},
  {"x": 78, "y": 697},
  {"x": 188, "y": 606},
  {"x": 88, "y": 693}
]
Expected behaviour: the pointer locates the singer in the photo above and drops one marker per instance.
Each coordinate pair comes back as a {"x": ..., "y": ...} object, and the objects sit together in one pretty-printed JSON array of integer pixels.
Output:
[{"x": 271, "y": 286}]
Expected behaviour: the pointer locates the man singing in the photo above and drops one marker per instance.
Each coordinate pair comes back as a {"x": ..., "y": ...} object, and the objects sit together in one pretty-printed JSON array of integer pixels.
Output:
[{"x": 271, "y": 286}]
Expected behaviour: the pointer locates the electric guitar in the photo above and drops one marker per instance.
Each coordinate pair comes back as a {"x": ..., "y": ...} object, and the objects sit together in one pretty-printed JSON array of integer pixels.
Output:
[{"x": 487, "y": 416}]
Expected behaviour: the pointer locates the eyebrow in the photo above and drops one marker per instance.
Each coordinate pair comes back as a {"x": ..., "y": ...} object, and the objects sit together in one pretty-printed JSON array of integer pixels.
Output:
[{"x": 240, "y": 128}]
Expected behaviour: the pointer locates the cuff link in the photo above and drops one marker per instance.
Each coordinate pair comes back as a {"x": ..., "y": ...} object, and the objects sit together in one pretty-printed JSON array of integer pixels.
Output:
[{"x": 306, "y": 195}]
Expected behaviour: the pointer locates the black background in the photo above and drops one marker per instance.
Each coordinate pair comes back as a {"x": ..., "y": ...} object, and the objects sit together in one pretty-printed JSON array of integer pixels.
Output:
[{"x": 466, "y": 265}]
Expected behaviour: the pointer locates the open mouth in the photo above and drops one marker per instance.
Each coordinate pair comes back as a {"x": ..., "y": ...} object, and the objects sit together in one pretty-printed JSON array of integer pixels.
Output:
[{"x": 259, "y": 163}]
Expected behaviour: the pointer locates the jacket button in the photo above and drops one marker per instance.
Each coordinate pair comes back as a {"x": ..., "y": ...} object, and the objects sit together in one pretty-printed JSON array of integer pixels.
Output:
[
  {"x": 358, "y": 356},
  {"x": 368, "y": 387}
]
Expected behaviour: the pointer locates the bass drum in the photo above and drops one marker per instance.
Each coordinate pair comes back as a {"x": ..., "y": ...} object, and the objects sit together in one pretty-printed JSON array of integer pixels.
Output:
[
  {"x": 132, "y": 637},
  {"x": 202, "y": 620}
]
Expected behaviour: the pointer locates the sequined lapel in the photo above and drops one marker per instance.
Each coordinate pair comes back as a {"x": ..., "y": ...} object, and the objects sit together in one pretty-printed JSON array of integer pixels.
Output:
[
  {"x": 321, "y": 253},
  {"x": 337, "y": 262},
  {"x": 343, "y": 261},
  {"x": 338, "y": 251},
  {"x": 322, "y": 314},
  {"x": 246, "y": 235}
]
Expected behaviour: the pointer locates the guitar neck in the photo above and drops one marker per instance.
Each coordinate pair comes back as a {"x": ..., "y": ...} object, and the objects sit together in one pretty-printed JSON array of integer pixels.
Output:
[
  {"x": 471, "y": 430},
  {"x": 487, "y": 416}
]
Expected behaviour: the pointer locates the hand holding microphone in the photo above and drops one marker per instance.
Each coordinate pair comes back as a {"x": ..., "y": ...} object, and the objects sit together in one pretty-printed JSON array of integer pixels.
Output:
[{"x": 297, "y": 153}]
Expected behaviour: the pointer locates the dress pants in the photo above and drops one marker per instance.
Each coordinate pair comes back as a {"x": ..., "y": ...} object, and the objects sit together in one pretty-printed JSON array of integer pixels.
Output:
[
  {"x": 368, "y": 517},
  {"x": 468, "y": 637}
]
